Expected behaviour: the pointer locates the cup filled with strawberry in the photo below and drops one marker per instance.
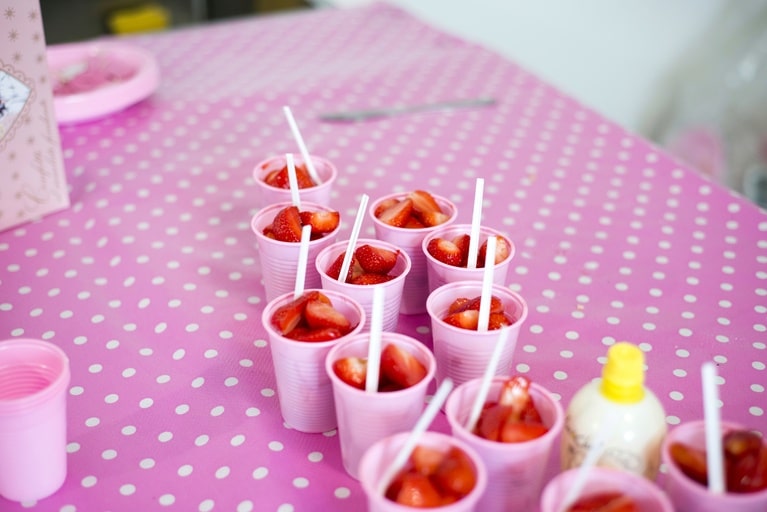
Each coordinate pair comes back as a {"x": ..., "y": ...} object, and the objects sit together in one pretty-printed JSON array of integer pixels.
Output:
[
  {"x": 404, "y": 219},
  {"x": 447, "y": 255},
  {"x": 301, "y": 331},
  {"x": 278, "y": 235},
  {"x": 605, "y": 490},
  {"x": 271, "y": 177},
  {"x": 442, "y": 473},
  {"x": 405, "y": 371},
  {"x": 461, "y": 349},
  {"x": 373, "y": 264},
  {"x": 518, "y": 424},
  {"x": 745, "y": 469}
]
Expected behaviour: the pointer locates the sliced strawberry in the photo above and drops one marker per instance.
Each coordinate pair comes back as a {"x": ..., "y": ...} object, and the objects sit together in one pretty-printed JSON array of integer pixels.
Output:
[
  {"x": 519, "y": 432},
  {"x": 515, "y": 393},
  {"x": 431, "y": 219},
  {"x": 491, "y": 420},
  {"x": 268, "y": 232},
  {"x": 288, "y": 316},
  {"x": 424, "y": 202},
  {"x": 320, "y": 315},
  {"x": 502, "y": 251},
  {"x": 445, "y": 251},
  {"x": 398, "y": 214},
  {"x": 367, "y": 278},
  {"x": 335, "y": 268},
  {"x": 462, "y": 242},
  {"x": 463, "y": 303},
  {"x": 286, "y": 225},
  {"x": 301, "y": 333},
  {"x": 417, "y": 490},
  {"x": 455, "y": 474},
  {"x": 401, "y": 367},
  {"x": 604, "y": 502},
  {"x": 497, "y": 321},
  {"x": 279, "y": 178},
  {"x": 468, "y": 319},
  {"x": 414, "y": 223},
  {"x": 376, "y": 259},
  {"x": 425, "y": 459},
  {"x": 352, "y": 370},
  {"x": 322, "y": 222},
  {"x": 384, "y": 205}
]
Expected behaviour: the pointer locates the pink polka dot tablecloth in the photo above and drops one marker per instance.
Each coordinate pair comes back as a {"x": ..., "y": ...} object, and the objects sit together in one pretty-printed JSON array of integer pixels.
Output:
[{"x": 151, "y": 280}]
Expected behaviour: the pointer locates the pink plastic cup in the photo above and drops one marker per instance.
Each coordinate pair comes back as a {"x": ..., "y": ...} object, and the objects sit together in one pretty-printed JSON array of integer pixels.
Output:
[
  {"x": 409, "y": 240},
  {"x": 279, "y": 260},
  {"x": 318, "y": 195},
  {"x": 515, "y": 471},
  {"x": 304, "y": 389},
  {"x": 378, "y": 457},
  {"x": 463, "y": 354},
  {"x": 364, "y": 418},
  {"x": 363, "y": 294},
  {"x": 646, "y": 495},
  {"x": 441, "y": 273},
  {"x": 34, "y": 378},
  {"x": 689, "y": 496}
]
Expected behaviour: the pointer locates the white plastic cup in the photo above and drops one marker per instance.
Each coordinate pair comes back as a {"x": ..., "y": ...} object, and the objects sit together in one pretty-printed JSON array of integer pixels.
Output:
[
  {"x": 303, "y": 387},
  {"x": 34, "y": 378},
  {"x": 319, "y": 194},
  {"x": 515, "y": 471},
  {"x": 378, "y": 457},
  {"x": 364, "y": 418},
  {"x": 409, "y": 240},
  {"x": 279, "y": 260},
  {"x": 440, "y": 273},
  {"x": 463, "y": 354},
  {"x": 363, "y": 294},
  {"x": 690, "y": 496},
  {"x": 646, "y": 495}
]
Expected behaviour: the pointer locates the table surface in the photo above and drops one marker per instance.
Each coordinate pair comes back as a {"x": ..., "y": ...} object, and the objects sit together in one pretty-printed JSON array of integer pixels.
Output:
[{"x": 151, "y": 282}]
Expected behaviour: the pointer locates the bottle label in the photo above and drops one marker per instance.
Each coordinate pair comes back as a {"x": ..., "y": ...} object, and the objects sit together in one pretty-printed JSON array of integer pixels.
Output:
[{"x": 576, "y": 446}]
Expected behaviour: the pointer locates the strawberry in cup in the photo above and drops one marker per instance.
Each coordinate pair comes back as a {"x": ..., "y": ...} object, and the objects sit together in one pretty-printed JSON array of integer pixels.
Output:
[
  {"x": 447, "y": 255},
  {"x": 404, "y": 219},
  {"x": 371, "y": 266},
  {"x": 271, "y": 176},
  {"x": 405, "y": 372},
  {"x": 442, "y": 473},
  {"x": 278, "y": 235},
  {"x": 302, "y": 331},
  {"x": 519, "y": 423}
]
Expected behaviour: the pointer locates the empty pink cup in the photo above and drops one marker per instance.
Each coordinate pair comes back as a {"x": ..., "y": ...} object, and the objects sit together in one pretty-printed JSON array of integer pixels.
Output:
[
  {"x": 304, "y": 389},
  {"x": 377, "y": 458},
  {"x": 690, "y": 496},
  {"x": 409, "y": 240},
  {"x": 515, "y": 471},
  {"x": 364, "y": 418},
  {"x": 34, "y": 378},
  {"x": 363, "y": 294},
  {"x": 319, "y": 194},
  {"x": 440, "y": 273},
  {"x": 463, "y": 354},
  {"x": 645, "y": 494},
  {"x": 279, "y": 260}
]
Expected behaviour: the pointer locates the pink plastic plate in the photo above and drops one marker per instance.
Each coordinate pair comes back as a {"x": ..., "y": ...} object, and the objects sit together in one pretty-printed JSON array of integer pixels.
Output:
[{"x": 95, "y": 79}]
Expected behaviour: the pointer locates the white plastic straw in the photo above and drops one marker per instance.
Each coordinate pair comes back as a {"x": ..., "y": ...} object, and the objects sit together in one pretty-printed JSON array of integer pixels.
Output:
[
  {"x": 301, "y": 145},
  {"x": 353, "y": 238},
  {"x": 415, "y": 435},
  {"x": 487, "y": 286},
  {"x": 714, "y": 455},
  {"x": 476, "y": 219},
  {"x": 590, "y": 460},
  {"x": 487, "y": 379},
  {"x": 303, "y": 257},
  {"x": 374, "y": 345},
  {"x": 295, "y": 198}
]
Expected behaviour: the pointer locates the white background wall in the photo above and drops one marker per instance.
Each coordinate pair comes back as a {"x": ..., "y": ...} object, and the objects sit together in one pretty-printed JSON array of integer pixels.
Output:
[{"x": 612, "y": 55}]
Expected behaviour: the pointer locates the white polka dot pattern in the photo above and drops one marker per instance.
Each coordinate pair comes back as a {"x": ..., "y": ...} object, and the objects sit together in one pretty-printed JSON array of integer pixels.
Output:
[{"x": 151, "y": 282}]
